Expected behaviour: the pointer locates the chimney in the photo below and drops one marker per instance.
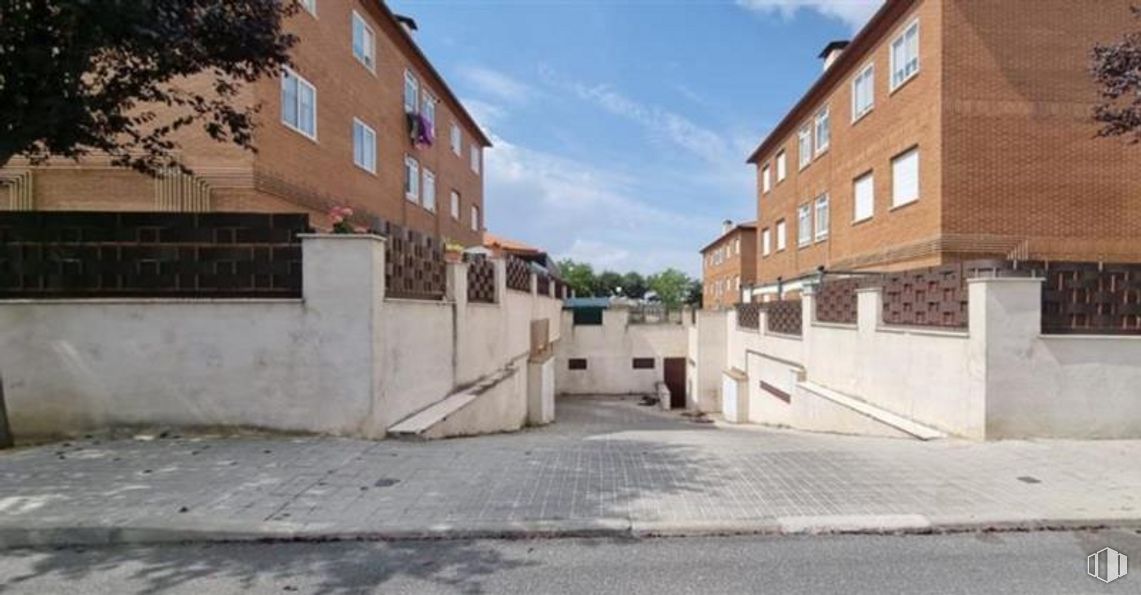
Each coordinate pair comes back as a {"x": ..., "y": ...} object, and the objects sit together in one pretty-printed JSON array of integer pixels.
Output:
[
  {"x": 408, "y": 23},
  {"x": 726, "y": 225},
  {"x": 832, "y": 51}
]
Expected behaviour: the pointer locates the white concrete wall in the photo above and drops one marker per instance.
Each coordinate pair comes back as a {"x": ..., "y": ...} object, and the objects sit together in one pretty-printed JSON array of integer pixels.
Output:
[
  {"x": 707, "y": 342},
  {"x": 342, "y": 360},
  {"x": 610, "y": 349}
]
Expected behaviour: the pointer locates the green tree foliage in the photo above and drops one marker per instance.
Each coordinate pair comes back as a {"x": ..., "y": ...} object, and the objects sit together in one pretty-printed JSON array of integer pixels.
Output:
[
  {"x": 634, "y": 285},
  {"x": 579, "y": 276},
  {"x": 671, "y": 285},
  {"x": 608, "y": 284},
  {"x": 1117, "y": 69},
  {"x": 78, "y": 76}
]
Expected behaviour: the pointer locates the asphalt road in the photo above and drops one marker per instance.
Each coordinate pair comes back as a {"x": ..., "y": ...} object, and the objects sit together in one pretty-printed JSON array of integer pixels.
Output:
[{"x": 991, "y": 563}]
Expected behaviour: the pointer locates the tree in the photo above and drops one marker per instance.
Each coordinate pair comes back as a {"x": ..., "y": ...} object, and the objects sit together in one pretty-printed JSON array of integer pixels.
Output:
[
  {"x": 579, "y": 276},
  {"x": 1117, "y": 70},
  {"x": 78, "y": 76},
  {"x": 609, "y": 284},
  {"x": 671, "y": 285},
  {"x": 633, "y": 285},
  {"x": 696, "y": 293}
]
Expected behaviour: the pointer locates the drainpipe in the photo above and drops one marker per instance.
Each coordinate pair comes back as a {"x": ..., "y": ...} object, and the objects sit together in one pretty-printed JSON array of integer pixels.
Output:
[
  {"x": 6, "y": 440},
  {"x": 780, "y": 288}
]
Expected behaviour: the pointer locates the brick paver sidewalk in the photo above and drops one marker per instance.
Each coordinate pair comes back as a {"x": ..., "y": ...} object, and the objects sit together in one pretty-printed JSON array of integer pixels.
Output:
[{"x": 607, "y": 465}]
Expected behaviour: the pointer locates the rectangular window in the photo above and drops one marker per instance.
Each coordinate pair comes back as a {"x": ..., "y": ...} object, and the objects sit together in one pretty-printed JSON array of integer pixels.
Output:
[
  {"x": 475, "y": 158},
  {"x": 864, "y": 92},
  {"x": 643, "y": 363},
  {"x": 766, "y": 181},
  {"x": 474, "y": 218},
  {"x": 364, "y": 42},
  {"x": 766, "y": 242},
  {"x": 411, "y": 179},
  {"x": 905, "y": 178},
  {"x": 309, "y": 5},
  {"x": 576, "y": 363},
  {"x": 822, "y": 218},
  {"x": 429, "y": 112},
  {"x": 782, "y": 236},
  {"x": 457, "y": 140},
  {"x": 803, "y": 225},
  {"x": 411, "y": 92},
  {"x": 782, "y": 166},
  {"x": 364, "y": 146},
  {"x": 804, "y": 143},
  {"x": 455, "y": 205},
  {"x": 823, "y": 131},
  {"x": 298, "y": 104},
  {"x": 905, "y": 55},
  {"x": 429, "y": 193},
  {"x": 864, "y": 192}
]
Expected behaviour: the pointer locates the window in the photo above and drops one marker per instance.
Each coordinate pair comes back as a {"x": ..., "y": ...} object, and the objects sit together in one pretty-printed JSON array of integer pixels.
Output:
[
  {"x": 864, "y": 191},
  {"x": 766, "y": 241},
  {"x": 782, "y": 166},
  {"x": 643, "y": 363},
  {"x": 576, "y": 363},
  {"x": 822, "y": 218},
  {"x": 905, "y": 178},
  {"x": 475, "y": 159},
  {"x": 474, "y": 218},
  {"x": 457, "y": 142},
  {"x": 804, "y": 143},
  {"x": 863, "y": 92},
  {"x": 803, "y": 225},
  {"x": 905, "y": 56},
  {"x": 298, "y": 104},
  {"x": 766, "y": 181},
  {"x": 429, "y": 193},
  {"x": 364, "y": 42},
  {"x": 782, "y": 236},
  {"x": 455, "y": 205},
  {"x": 823, "y": 131},
  {"x": 364, "y": 146},
  {"x": 411, "y": 179},
  {"x": 737, "y": 246},
  {"x": 309, "y": 5},
  {"x": 429, "y": 112},
  {"x": 411, "y": 92}
]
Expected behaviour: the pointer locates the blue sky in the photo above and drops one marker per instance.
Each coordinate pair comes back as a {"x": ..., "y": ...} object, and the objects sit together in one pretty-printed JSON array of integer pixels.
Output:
[{"x": 621, "y": 127}]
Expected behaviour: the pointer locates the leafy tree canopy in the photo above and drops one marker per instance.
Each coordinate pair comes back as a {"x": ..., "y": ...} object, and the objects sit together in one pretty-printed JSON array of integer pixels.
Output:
[
  {"x": 1117, "y": 69},
  {"x": 672, "y": 286}
]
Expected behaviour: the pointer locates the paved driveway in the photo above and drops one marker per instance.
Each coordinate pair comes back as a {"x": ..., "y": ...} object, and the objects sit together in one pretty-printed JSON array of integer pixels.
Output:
[{"x": 606, "y": 463}]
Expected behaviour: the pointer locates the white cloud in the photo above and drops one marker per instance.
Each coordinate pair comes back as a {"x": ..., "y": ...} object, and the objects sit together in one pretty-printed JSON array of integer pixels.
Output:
[
  {"x": 483, "y": 112},
  {"x": 855, "y": 13},
  {"x": 496, "y": 84}
]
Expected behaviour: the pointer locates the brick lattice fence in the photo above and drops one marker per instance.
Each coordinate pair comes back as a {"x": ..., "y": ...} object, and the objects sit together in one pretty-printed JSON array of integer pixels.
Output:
[
  {"x": 1091, "y": 298},
  {"x": 784, "y": 317},
  {"x": 414, "y": 265},
  {"x": 933, "y": 297},
  {"x": 836, "y": 300},
  {"x": 543, "y": 285},
  {"x": 480, "y": 280},
  {"x": 749, "y": 315},
  {"x": 61, "y": 254},
  {"x": 518, "y": 274}
]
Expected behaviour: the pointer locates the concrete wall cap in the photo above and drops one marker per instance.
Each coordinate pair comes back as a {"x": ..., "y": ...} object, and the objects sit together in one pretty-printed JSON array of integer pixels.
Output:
[{"x": 341, "y": 236}]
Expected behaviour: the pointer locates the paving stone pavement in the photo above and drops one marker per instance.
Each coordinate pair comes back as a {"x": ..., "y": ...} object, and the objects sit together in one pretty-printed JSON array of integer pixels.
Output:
[{"x": 607, "y": 462}]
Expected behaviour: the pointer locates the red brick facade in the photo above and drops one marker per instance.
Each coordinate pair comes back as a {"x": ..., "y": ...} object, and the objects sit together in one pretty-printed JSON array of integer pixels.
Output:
[{"x": 727, "y": 265}]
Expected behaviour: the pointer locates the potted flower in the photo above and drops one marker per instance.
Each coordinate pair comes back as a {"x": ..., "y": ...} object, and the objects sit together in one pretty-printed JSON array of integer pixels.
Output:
[
  {"x": 339, "y": 216},
  {"x": 453, "y": 251}
]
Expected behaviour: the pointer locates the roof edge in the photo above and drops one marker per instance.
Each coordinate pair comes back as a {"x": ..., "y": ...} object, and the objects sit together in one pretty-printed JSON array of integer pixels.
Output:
[{"x": 736, "y": 228}]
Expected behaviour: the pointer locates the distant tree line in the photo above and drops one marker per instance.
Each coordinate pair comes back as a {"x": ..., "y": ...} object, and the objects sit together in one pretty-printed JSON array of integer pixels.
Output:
[{"x": 671, "y": 286}]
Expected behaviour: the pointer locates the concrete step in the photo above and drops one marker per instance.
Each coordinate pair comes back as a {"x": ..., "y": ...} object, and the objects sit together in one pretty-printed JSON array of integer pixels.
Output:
[
  {"x": 866, "y": 409},
  {"x": 419, "y": 423}
]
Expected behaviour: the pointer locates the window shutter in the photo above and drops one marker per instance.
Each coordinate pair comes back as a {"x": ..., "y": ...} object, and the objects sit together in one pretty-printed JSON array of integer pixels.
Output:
[{"x": 905, "y": 178}]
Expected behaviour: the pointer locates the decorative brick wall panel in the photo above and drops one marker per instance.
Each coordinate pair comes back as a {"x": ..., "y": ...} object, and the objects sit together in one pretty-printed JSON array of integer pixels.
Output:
[
  {"x": 414, "y": 265},
  {"x": 518, "y": 274},
  {"x": 62, "y": 254},
  {"x": 749, "y": 315},
  {"x": 480, "y": 280},
  {"x": 932, "y": 297},
  {"x": 836, "y": 300},
  {"x": 543, "y": 285},
  {"x": 784, "y": 317},
  {"x": 1088, "y": 298}
]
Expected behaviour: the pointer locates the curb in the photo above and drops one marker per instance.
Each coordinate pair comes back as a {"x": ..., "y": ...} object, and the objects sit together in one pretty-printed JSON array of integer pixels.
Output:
[{"x": 15, "y": 537}]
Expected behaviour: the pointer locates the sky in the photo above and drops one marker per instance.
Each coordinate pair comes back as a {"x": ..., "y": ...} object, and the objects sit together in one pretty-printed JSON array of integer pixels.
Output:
[{"x": 621, "y": 127}]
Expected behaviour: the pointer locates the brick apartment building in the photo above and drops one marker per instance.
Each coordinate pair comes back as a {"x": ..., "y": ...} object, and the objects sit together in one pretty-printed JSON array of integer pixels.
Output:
[
  {"x": 949, "y": 130},
  {"x": 333, "y": 130},
  {"x": 728, "y": 264}
]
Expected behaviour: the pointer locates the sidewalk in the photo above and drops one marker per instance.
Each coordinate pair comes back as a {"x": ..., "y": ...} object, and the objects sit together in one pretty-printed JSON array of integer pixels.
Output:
[{"x": 608, "y": 467}]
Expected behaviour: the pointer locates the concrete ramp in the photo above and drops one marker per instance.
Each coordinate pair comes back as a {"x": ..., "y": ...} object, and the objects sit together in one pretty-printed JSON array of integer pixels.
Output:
[
  {"x": 863, "y": 417},
  {"x": 496, "y": 403}
]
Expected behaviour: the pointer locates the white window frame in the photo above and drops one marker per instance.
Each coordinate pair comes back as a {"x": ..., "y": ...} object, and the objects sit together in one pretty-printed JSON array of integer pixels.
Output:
[
  {"x": 782, "y": 166},
  {"x": 902, "y": 41},
  {"x": 871, "y": 211},
  {"x": 413, "y": 84},
  {"x": 821, "y": 212},
  {"x": 766, "y": 179},
  {"x": 804, "y": 146},
  {"x": 310, "y": 6},
  {"x": 457, "y": 140},
  {"x": 411, "y": 179},
  {"x": 428, "y": 189},
  {"x": 823, "y": 116},
  {"x": 475, "y": 158},
  {"x": 475, "y": 218},
  {"x": 287, "y": 74},
  {"x": 766, "y": 241},
  {"x": 364, "y": 151},
  {"x": 428, "y": 110},
  {"x": 368, "y": 55},
  {"x": 804, "y": 225},
  {"x": 867, "y": 74},
  {"x": 782, "y": 235},
  {"x": 455, "y": 205},
  {"x": 898, "y": 199}
]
